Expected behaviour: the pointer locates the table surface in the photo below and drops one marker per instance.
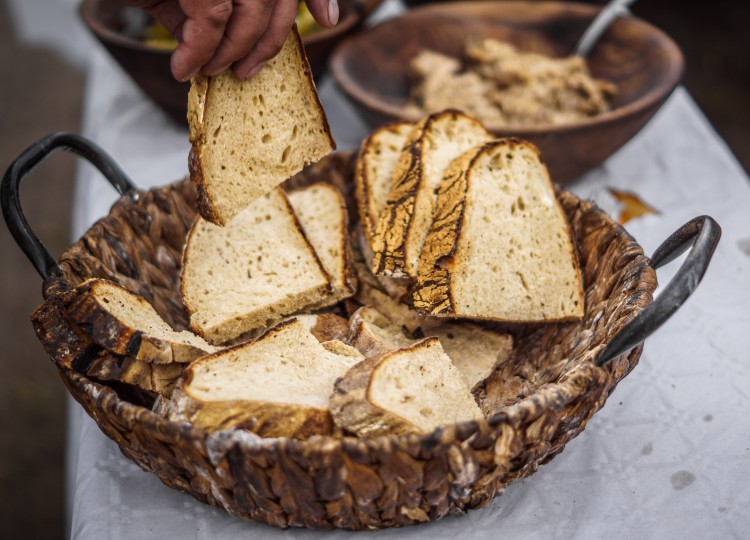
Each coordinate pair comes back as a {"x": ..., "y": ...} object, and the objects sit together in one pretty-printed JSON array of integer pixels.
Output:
[{"x": 667, "y": 457}]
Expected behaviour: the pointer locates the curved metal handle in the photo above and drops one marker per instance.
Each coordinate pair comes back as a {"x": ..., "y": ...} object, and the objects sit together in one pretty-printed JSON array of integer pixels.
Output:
[
  {"x": 610, "y": 12},
  {"x": 703, "y": 233},
  {"x": 31, "y": 157}
]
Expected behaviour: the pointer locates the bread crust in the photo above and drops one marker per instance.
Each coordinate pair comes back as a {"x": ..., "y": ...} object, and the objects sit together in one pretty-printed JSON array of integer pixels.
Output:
[
  {"x": 395, "y": 244},
  {"x": 363, "y": 181}
]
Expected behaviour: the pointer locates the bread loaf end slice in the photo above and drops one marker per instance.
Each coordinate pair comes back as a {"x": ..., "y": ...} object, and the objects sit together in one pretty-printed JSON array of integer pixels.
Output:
[
  {"x": 406, "y": 218},
  {"x": 125, "y": 323},
  {"x": 249, "y": 136},
  {"x": 500, "y": 246},
  {"x": 373, "y": 174}
]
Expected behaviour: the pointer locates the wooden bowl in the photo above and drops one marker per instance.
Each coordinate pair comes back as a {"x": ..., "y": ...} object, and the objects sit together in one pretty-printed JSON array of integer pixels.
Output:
[
  {"x": 644, "y": 63},
  {"x": 150, "y": 68}
]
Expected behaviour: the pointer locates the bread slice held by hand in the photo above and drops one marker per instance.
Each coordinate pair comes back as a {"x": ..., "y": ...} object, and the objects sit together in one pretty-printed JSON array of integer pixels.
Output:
[
  {"x": 499, "y": 247},
  {"x": 249, "y": 136},
  {"x": 125, "y": 323},
  {"x": 252, "y": 273},
  {"x": 410, "y": 390},
  {"x": 405, "y": 220},
  {"x": 373, "y": 174},
  {"x": 321, "y": 210},
  {"x": 276, "y": 386}
]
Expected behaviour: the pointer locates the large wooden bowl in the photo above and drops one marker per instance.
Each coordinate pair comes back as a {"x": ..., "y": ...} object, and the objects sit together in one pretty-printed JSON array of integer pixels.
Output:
[
  {"x": 643, "y": 62},
  {"x": 150, "y": 68}
]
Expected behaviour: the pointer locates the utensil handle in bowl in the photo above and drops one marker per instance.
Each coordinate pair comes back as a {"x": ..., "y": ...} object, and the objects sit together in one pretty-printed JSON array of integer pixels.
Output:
[
  {"x": 10, "y": 200},
  {"x": 702, "y": 233}
]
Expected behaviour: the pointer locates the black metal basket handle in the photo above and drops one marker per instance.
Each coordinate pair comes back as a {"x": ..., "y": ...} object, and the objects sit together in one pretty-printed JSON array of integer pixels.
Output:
[
  {"x": 703, "y": 234},
  {"x": 31, "y": 157}
]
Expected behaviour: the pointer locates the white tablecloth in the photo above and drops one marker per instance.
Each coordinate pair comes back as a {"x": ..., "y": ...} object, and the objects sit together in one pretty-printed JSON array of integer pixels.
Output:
[{"x": 667, "y": 457}]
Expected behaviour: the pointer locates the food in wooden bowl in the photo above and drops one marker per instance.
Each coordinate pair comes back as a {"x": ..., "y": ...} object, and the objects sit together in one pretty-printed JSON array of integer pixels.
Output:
[
  {"x": 143, "y": 49},
  {"x": 643, "y": 64}
]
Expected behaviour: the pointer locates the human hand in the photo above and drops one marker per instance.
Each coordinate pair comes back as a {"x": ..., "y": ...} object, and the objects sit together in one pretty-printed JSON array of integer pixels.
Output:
[{"x": 215, "y": 35}]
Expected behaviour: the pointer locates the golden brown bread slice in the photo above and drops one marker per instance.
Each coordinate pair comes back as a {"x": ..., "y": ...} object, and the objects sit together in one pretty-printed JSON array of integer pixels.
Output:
[
  {"x": 276, "y": 386},
  {"x": 410, "y": 390},
  {"x": 249, "y": 136},
  {"x": 373, "y": 173},
  {"x": 405, "y": 220},
  {"x": 126, "y": 324},
  {"x": 159, "y": 378},
  {"x": 321, "y": 210},
  {"x": 499, "y": 247},
  {"x": 257, "y": 270},
  {"x": 325, "y": 326}
]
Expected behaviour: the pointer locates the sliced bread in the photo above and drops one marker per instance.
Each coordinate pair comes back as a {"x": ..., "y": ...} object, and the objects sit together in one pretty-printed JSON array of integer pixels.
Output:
[
  {"x": 276, "y": 386},
  {"x": 325, "y": 326},
  {"x": 249, "y": 136},
  {"x": 373, "y": 174},
  {"x": 321, "y": 210},
  {"x": 411, "y": 390},
  {"x": 126, "y": 324},
  {"x": 256, "y": 270},
  {"x": 500, "y": 246},
  {"x": 474, "y": 350},
  {"x": 148, "y": 376},
  {"x": 405, "y": 220}
]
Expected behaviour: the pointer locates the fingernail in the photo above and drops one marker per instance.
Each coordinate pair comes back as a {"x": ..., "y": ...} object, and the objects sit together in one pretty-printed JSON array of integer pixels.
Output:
[
  {"x": 253, "y": 72},
  {"x": 333, "y": 11},
  {"x": 178, "y": 67}
]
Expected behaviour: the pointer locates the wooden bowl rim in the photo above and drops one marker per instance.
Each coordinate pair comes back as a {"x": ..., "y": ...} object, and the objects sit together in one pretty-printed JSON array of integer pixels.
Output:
[
  {"x": 669, "y": 81},
  {"x": 108, "y": 35}
]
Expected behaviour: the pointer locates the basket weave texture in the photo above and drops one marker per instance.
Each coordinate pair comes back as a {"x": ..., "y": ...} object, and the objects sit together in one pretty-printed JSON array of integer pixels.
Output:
[{"x": 536, "y": 403}]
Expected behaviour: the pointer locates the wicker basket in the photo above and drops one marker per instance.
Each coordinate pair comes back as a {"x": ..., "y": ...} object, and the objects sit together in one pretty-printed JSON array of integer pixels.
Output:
[{"x": 537, "y": 403}]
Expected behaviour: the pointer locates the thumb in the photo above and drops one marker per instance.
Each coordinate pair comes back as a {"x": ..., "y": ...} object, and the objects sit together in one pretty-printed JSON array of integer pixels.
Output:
[{"x": 325, "y": 12}]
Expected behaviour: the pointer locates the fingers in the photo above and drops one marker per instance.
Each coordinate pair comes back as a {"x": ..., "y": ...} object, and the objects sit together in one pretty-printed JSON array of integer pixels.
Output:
[
  {"x": 270, "y": 43},
  {"x": 325, "y": 12},
  {"x": 250, "y": 19},
  {"x": 201, "y": 33}
]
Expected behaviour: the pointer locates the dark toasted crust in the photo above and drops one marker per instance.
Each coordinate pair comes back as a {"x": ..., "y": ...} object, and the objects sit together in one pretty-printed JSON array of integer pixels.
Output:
[
  {"x": 354, "y": 414},
  {"x": 432, "y": 292},
  {"x": 58, "y": 336},
  {"x": 390, "y": 243},
  {"x": 198, "y": 104},
  {"x": 362, "y": 182}
]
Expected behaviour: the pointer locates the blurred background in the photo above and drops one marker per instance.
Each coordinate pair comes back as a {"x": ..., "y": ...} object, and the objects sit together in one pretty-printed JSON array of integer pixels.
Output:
[{"x": 42, "y": 84}]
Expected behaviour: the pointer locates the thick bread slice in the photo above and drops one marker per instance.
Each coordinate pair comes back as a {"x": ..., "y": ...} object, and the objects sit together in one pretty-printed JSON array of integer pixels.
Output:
[
  {"x": 411, "y": 390},
  {"x": 276, "y": 386},
  {"x": 125, "y": 323},
  {"x": 256, "y": 270},
  {"x": 374, "y": 169},
  {"x": 249, "y": 136},
  {"x": 475, "y": 351},
  {"x": 499, "y": 247},
  {"x": 321, "y": 210},
  {"x": 405, "y": 220}
]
